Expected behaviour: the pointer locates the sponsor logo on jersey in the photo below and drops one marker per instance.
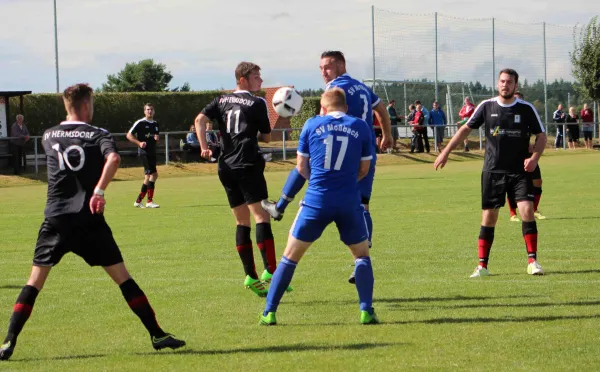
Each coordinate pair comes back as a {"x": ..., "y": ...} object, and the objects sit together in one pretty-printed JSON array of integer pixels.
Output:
[{"x": 517, "y": 118}]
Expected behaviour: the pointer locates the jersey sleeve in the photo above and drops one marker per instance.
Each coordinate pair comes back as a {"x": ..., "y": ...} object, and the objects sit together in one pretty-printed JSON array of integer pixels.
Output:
[
  {"x": 264, "y": 125},
  {"x": 535, "y": 122},
  {"x": 478, "y": 118},
  {"x": 134, "y": 129},
  {"x": 374, "y": 98},
  {"x": 303, "y": 141},
  {"x": 212, "y": 110},
  {"x": 106, "y": 142}
]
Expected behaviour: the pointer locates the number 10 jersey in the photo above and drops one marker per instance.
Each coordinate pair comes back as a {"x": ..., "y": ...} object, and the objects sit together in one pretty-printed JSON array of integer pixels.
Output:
[
  {"x": 241, "y": 115},
  {"x": 75, "y": 155}
]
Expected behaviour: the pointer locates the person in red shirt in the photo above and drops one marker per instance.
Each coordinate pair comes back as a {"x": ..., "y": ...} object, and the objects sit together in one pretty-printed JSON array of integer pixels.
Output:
[
  {"x": 587, "y": 119},
  {"x": 378, "y": 132},
  {"x": 417, "y": 129},
  {"x": 465, "y": 114}
]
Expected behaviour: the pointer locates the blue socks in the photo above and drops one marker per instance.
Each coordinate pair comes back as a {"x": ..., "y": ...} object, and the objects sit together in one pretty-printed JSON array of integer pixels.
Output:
[
  {"x": 369, "y": 222},
  {"x": 279, "y": 282},
  {"x": 364, "y": 283},
  {"x": 292, "y": 187}
]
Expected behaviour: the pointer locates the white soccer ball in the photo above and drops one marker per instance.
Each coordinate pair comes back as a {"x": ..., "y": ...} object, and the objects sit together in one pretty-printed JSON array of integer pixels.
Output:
[{"x": 287, "y": 102}]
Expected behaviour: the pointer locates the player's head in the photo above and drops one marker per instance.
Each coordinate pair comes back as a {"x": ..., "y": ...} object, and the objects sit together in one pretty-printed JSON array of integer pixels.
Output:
[
  {"x": 435, "y": 105},
  {"x": 20, "y": 118},
  {"x": 79, "y": 102},
  {"x": 333, "y": 64},
  {"x": 412, "y": 107},
  {"x": 467, "y": 100},
  {"x": 247, "y": 76},
  {"x": 418, "y": 106},
  {"x": 560, "y": 107},
  {"x": 392, "y": 103},
  {"x": 508, "y": 81},
  {"x": 149, "y": 111},
  {"x": 519, "y": 95},
  {"x": 334, "y": 100}
]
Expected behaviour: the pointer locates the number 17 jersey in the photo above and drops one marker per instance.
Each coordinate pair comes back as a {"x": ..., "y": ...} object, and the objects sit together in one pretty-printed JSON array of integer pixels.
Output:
[
  {"x": 75, "y": 154},
  {"x": 336, "y": 144}
]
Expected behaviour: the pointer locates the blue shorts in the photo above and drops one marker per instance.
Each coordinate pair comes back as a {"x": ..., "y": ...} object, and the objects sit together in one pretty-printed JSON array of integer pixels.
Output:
[
  {"x": 311, "y": 222},
  {"x": 366, "y": 184}
]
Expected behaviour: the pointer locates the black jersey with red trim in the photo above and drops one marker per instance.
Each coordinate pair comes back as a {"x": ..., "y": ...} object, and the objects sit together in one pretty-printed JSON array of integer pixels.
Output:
[
  {"x": 241, "y": 115},
  {"x": 75, "y": 155},
  {"x": 508, "y": 129},
  {"x": 144, "y": 130}
]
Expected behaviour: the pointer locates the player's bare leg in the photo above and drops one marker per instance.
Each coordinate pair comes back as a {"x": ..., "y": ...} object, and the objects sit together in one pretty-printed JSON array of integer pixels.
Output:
[
  {"x": 138, "y": 303},
  {"x": 530, "y": 235},
  {"x": 294, "y": 251},
  {"x": 537, "y": 192},
  {"x": 489, "y": 218},
  {"x": 139, "y": 201},
  {"x": 151, "y": 185},
  {"x": 243, "y": 244},
  {"x": 23, "y": 308}
]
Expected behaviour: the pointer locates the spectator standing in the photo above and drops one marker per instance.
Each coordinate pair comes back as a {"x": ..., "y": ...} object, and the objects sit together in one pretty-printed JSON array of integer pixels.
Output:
[
  {"x": 417, "y": 129},
  {"x": 587, "y": 119},
  {"x": 572, "y": 128},
  {"x": 437, "y": 118},
  {"x": 19, "y": 130},
  {"x": 391, "y": 109},
  {"x": 464, "y": 114},
  {"x": 559, "y": 117}
]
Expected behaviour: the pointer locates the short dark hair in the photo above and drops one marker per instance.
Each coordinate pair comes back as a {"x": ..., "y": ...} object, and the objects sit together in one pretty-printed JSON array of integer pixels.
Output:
[
  {"x": 77, "y": 94},
  {"x": 393, "y": 101},
  {"x": 148, "y": 105},
  {"x": 412, "y": 107},
  {"x": 511, "y": 72},
  {"x": 244, "y": 69},
  {"x": 417, "y": 102},
  {"x": 335, "y": 54}
]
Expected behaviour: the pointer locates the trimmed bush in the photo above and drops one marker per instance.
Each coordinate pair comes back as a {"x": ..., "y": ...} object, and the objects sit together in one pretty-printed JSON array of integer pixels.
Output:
[{"x": 310, "y": 108}]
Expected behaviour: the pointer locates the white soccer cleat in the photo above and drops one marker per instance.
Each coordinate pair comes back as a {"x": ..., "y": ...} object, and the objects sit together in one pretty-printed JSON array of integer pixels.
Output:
[
  {"x": 138, "y": 205},
  {"x": 535, "y": 268},
  {"x": 152, "y": 205},
  {"x": 479, "y": 272}
]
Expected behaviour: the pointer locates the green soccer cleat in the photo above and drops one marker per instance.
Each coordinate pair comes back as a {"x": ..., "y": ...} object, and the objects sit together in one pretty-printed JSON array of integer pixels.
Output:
[
  {"x": 368, "y": 318},
  {"x": 480, "y": 272},
  {"x": 514, "y": 219},
  {"x": 266, "y": 279},
  {"x": 268, "y": 320},
  {"x": 538, "y": 215},
  {"x": 168, "y": 340},
  {"x": 535, "y": 268},
  {"x": 6, "y": 350},
  {"x": 255, "y": 286}
]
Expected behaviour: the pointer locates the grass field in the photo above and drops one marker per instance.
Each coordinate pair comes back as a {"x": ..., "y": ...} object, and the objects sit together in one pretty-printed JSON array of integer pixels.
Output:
[{"x": 434, "y": 316}]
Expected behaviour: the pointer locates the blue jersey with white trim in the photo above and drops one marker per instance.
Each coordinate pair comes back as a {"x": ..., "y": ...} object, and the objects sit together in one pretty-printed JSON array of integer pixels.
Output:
[
  {"x": 359, "y": 97},
  {"x": 336, "y": 144}
]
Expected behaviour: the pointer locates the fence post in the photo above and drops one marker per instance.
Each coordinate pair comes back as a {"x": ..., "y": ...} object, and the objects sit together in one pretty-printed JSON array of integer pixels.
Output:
[
  {"x": 493, "y": 55},
  {"x": 35, "y": 154},
  {"x": 436, "y": 57},
  {"x": 545, "y": 78},
  {"x": 480, "y": 139},
  {"x": 284, "y": 147},
  {"x": 373, "y": 39},
  {"x": 166, "y": 148},
  {"x": 564, "y": 136}
]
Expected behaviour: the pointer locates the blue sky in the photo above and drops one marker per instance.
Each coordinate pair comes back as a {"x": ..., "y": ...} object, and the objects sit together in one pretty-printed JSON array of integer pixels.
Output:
[{"x": 202, "y": 41}]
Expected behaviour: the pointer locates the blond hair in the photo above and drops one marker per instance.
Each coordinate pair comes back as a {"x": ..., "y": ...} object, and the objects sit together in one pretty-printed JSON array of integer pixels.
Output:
[{"x": 334, "y": 100}]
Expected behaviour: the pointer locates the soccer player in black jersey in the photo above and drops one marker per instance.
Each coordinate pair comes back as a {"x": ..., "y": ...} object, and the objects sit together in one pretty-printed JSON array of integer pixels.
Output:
[
  {"x": 82, "y": 160},
  {"x": 241, "y": 115},
  {"x": 144, "y": 133},
  {"x": 509, "y": 123}
]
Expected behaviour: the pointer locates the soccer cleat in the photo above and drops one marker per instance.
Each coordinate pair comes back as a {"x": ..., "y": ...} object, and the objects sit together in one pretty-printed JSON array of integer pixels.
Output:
[
  {"x": 368, "y": 318},
  {"x": 535, "y": 268},
  {"x": 268, "y": 320},
  {"x": 138, "y": 205},
  {"x": 539, "y": 216},
  {"x": 271, "y": 208},
  {"x": 479, "y": 272},
  {"x": 6, "y": 350},
  {"x": 255, "y": 286},
  {"x": 168, "y": 340},
  {"x": 266, "y": 279},
  {"x": 514, "y": 218},
  {"x": 152, "y": 205}
]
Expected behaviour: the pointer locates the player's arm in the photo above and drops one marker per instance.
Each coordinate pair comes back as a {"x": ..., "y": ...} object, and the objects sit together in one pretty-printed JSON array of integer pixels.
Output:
[
  {"x": 132, "y": 139},
  {"x": 539, "y": 145},
  {"x": 386, "y": 126},
  {"x": 200, "y": 125},
  {"x": 265, "y": 137},
  {"x": 111, "y": 165},
  {"x": 156, "y": 133},
  {"x": 303, "y": 165},
  {"x": 264, "y": 125}
]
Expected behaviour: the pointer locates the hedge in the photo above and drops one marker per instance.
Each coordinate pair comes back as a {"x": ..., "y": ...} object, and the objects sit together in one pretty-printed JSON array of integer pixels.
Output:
[
  {"x": 116, "y": 112},
  {"x": 310, "y": 108}
]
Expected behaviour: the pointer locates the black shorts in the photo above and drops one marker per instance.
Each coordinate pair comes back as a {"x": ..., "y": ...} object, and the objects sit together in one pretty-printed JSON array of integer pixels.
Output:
[
  {"x": 86, "y": 235},
  {"x": 149, "y": 162},
  {"x": 245, "y": 185},
  {"x": 537, "y": 173},
  {"x": 496, "y": 187},
  {"x": 378, "y": 132},
  {"x": 587, "y": 136}
]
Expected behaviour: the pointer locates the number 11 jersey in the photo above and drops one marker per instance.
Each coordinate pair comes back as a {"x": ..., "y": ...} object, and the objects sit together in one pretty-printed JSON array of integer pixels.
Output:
[
  {"x": 75, "y": 154},
  {"x": 241, "y": 115}
]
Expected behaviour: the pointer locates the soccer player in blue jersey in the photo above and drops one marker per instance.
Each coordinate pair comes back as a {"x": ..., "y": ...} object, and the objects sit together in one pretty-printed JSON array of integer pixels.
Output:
[
  {"x": 339, "y": 148},
  {"x": 362, "y": 103}
]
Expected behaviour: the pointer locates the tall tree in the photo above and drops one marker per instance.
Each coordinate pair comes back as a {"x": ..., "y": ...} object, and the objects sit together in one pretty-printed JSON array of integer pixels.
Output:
[
  {"x": 586, "y": 59},
  {"x": 142, "y": 76}
]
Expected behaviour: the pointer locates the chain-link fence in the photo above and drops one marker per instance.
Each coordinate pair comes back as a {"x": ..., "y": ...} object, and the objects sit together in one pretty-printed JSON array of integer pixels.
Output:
[{"x": 431, "y": 57}]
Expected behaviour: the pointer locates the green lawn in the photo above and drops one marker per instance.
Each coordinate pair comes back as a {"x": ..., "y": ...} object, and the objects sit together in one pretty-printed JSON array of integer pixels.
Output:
[{"x": 425, "y": 247}]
